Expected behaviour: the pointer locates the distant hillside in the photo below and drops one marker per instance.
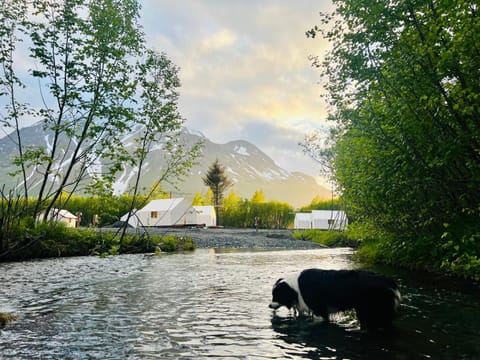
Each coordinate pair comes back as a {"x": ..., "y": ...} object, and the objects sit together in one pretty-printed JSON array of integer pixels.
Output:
[{"x": 246, "y": 165}]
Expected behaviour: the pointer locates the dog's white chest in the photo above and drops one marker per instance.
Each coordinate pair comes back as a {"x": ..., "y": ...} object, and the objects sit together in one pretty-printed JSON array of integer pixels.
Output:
[{"x": 302, "y": 307}]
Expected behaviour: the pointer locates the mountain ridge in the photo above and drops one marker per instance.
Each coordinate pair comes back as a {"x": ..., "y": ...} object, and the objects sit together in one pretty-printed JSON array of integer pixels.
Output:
[{"x": 245, "y": 164}]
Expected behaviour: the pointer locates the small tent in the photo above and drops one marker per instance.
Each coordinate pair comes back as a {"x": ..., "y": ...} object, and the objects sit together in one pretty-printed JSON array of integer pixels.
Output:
[
  {"x": 61, "y": 215},
  {"x": 329, "y": 219},
  {"x": 303, "y": 221},
  {"x": 163, "y": 212},
  {"x": 205, "y": 215}
]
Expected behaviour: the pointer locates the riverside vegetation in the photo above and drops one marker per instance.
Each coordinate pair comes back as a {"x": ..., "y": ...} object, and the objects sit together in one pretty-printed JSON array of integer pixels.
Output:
[
  {"x": 402, "y": 85},
  {"x": 27, "y": 238}
]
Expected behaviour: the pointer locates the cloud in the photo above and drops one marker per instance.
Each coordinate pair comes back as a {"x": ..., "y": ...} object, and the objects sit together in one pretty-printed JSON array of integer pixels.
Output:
[
  {"x": 219, "y": 40},
  {"x": 244, "y": 69}
]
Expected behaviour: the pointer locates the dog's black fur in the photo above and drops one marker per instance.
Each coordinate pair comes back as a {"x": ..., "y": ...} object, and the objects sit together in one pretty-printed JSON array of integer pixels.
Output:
[{"x": 374, "y": 297}]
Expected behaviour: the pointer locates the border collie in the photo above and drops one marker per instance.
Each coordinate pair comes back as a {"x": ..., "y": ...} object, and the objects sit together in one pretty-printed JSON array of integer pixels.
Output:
[{"x": 374, "y": 297}]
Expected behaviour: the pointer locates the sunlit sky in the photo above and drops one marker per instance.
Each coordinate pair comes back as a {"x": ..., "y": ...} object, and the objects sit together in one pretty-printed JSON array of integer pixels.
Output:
[{"x": 244, "y": 69}]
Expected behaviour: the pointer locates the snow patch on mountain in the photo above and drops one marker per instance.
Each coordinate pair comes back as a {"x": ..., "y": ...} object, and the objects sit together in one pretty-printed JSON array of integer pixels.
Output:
[
  {"x": 231, "y": 171},
  {"x": 241, "y": 150},
  {"x": 194, "y": 132},
  {"x": 120, "y": 186}
]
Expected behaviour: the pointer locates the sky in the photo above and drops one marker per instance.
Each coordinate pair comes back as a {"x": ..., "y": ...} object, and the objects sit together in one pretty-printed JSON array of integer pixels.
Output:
[{"x": 244, "y": 70}]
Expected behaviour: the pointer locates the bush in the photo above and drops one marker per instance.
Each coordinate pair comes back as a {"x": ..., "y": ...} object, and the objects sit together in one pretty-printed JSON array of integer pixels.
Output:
[
  {"x": 54, "y": 239},
  {"x": 330, "y": 238},
  {"x": 453, "y": 250}
]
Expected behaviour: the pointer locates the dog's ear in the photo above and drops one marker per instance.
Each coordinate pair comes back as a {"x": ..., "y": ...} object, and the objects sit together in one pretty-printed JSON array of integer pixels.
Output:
[{"x": 278, "y": 281}]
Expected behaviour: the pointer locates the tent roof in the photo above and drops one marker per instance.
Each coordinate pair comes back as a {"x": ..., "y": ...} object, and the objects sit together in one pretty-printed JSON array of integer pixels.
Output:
[
  {"x": 63, "y": 213},
  {"x": 327, "y": 214},
  {"x": 162, "y": 204}
]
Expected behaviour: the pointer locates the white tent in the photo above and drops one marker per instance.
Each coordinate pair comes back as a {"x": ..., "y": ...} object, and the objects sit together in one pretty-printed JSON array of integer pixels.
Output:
[
  {"x": 164, "y": 212},
  {"x": 303, "y": 221},
  {"x": 205, "y": 215},
  {"x": 62, "y": 215},
  {"x": 329, "y": 219}
]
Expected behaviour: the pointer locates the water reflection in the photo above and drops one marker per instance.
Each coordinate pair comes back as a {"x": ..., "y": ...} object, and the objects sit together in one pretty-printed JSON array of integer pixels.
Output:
[{"x": 213, "y": 304}]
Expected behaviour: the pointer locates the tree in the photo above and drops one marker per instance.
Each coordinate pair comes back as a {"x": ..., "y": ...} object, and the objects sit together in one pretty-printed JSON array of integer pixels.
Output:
[
  {"x": 197, "y": 200},
  {"x": 231, "y": 200},
  {"x": 258, "y": 197},
  {"x": 218, "y": 182},
  {"x": 402, "y": 85},
  {"x": 161, "y": 124},
  {"x": 317, "y": 145},
  {"x": 96, "y": 83}
]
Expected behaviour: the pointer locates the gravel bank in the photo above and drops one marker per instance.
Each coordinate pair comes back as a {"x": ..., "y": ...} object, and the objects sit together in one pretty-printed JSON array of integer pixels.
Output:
[{"x": 239, "y": 238}]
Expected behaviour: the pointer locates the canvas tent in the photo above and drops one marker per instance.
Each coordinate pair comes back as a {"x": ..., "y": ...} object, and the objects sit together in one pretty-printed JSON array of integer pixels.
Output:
[
  {"x": 321, "y": 219},
  {"x": 164, "y": 212},
  {"x": 329, "y": 219},
  {"x": 303, "y": 221},
  {"x": 205, "y": 215},
  {"x": 62, "y": 215}
]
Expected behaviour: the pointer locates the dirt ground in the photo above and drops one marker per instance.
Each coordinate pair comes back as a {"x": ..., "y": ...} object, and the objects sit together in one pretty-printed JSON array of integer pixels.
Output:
[{"x": 237, "y": 238}]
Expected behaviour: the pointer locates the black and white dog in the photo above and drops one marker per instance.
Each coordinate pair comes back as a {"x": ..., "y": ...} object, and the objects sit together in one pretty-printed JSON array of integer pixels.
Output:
[{"x": 374, "y": 297}]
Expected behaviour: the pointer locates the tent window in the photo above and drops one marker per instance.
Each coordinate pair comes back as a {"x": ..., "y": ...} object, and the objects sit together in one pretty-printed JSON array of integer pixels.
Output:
[
  {"x": 331, "y": 221},
  {"x": 154, "y": 214}
]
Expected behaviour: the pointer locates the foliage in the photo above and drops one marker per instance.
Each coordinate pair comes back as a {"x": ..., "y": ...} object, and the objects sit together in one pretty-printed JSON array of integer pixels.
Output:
[
  {"x": 54, "y": 239},
  {"x": 172, "y": 243},
  {"x": 322, "y": 204},
  {"x": 197, "y": 200},
  {"x": 95, "y": 83},
  {"x": 402, "y": 85},
  {"x": 258, "y": 197},
  {"x": 109, "y": 208},
  {"x": 252, "y": 213},
  {"x": 317, "y": 144},
  {"x": 330, "y": 238},
  {"x": 217, "y": 182},
  {"x": 208, "y": 198}
]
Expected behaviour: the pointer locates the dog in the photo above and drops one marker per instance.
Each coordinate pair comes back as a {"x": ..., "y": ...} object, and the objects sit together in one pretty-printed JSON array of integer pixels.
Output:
[{"x": 374, "y": 297}]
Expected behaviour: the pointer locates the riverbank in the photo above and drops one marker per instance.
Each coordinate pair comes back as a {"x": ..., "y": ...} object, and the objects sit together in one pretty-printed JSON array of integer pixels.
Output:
[{"x": 236, "y": 238}]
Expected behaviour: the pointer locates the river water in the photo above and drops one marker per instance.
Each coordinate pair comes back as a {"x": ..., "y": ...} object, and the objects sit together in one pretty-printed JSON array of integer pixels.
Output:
[{"x": 214, "y": 304}]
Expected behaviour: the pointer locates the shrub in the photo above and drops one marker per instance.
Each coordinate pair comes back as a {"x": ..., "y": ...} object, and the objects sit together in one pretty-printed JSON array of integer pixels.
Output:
[
  {"x": 330, "y": 238},
  {"x": 54, "y": 239}
]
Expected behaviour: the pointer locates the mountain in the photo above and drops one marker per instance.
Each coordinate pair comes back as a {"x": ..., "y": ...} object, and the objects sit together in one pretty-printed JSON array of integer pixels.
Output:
[{"x": 246, "y": 165}]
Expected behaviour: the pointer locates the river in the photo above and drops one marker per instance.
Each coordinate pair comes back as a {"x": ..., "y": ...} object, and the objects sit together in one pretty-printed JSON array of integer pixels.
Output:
[{"x": 214, "y": 304}]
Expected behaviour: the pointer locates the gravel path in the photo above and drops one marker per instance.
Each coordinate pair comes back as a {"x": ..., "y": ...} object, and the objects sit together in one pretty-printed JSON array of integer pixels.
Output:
[{"x": 239, "y": 238}]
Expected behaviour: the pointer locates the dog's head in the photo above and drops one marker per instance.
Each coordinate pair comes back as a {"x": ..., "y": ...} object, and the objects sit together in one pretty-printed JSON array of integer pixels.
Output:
[{"x": 283, "y": 295}]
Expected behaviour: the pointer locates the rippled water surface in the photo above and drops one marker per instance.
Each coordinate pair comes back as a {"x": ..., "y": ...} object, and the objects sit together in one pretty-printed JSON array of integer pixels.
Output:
[{"x": 209, "y": 304}]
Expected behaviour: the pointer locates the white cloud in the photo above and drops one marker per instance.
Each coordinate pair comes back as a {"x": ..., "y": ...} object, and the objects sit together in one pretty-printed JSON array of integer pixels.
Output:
[
  {"x": 219, "y": 40},
  {"x": 244, "y": 69}
]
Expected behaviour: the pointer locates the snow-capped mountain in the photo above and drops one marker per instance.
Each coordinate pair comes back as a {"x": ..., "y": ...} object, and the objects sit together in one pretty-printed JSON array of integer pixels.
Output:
[{"x": 246, "y": 165}]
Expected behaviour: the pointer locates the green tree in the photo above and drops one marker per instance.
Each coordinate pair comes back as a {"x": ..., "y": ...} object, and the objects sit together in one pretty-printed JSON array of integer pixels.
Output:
[
  {"x": 231, "y": 200},
  {"x": 208, "y": 198},
  {"x": 197, "y": 200},
  {"x": 402, "y": 84},
  {"x": 218, "y": 182},
  {"x": 97, "y": 83},
  {"x": 161, "y": 124},
  {"x": 258, "y": 197}
]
